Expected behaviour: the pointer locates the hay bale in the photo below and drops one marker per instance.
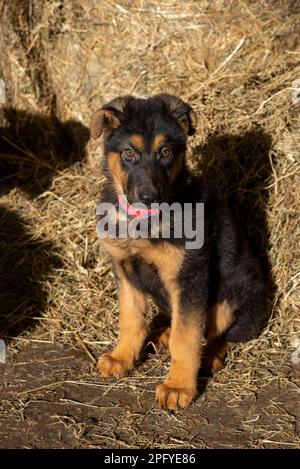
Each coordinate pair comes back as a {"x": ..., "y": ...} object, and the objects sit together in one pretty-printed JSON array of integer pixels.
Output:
[{"x": 235, "y": 62}]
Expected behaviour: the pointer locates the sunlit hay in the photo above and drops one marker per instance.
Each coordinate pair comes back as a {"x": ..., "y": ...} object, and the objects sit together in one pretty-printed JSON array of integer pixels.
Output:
[{"x": 235, "y": 63}]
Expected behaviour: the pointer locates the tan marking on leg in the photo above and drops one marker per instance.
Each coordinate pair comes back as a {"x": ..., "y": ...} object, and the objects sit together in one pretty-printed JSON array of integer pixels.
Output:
[
  {"x": 214, "y": 354},
  {"x": 115, "y": 168},
  {"x": 132, "y": 305},
  {"x": 180, "y": 386},
  {"x": 220, "y": 318},
  {"x": 186, "y": 336},
  {"x": 138, "y": 142},
  {"x": 158, "y": 141},
  {"x": 164, "y": 338},
  {"x": 160, "y": 337},
  {"x": 219, "y": 356}
]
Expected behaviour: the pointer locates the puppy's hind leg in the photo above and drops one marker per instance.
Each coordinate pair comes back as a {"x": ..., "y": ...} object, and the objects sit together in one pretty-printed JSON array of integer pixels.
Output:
[
  {"x": 221, "y": 316},
  {"x": 160, "y": 335}
]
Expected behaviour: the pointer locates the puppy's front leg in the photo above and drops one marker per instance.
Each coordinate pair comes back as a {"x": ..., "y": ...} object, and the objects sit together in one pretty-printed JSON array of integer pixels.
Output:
[
  {"x": 132, "y": 305},
  {"x": 186, "y": 339}
]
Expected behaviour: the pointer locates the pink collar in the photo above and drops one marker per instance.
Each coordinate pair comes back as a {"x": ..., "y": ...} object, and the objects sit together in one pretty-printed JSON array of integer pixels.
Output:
[{"x": 136, "y": 212}]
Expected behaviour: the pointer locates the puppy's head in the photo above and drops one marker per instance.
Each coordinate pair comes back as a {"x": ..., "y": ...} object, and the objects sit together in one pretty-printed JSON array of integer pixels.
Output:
[{"x": 144, "y": 144}]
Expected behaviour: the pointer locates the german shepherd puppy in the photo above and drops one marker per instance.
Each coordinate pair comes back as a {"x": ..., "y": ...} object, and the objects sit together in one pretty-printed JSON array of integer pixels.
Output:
[{"x": 216, "y": 292}]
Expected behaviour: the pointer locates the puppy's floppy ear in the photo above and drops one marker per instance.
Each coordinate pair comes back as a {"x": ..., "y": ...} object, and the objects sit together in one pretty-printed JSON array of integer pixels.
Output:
[
  {"x": 182, "y": 111},
  {"x": 109, "y": 117}
]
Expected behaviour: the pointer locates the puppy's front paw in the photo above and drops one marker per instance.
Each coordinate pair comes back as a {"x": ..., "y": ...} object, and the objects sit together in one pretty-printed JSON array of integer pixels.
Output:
[
  {"x": 111, "y": 367},
  {"x": 170, "y": 398}
]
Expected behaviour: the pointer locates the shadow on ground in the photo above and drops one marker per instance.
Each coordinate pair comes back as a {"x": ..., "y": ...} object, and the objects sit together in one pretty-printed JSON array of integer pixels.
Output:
[
  {"x": 25, "y": 265},
  {"x": 35, "y": 147}
]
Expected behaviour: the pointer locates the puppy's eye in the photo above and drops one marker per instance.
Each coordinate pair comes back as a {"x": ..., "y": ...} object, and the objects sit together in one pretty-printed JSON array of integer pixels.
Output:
[
  {"x": 128, "y": 154},
  {"x": 166, "y": 154}
]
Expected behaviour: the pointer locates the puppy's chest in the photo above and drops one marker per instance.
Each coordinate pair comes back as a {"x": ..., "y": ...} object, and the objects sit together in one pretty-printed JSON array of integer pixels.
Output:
[
  {"x": 163, "y": 259},
  {"x": 123, "y": 248}
]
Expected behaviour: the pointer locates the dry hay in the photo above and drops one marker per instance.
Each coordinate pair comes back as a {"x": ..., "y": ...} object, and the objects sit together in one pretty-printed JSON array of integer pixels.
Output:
[{"x": 235, "y": 62}]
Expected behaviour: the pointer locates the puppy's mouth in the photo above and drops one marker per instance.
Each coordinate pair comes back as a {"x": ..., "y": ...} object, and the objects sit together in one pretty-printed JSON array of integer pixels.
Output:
[{"x": 136, "y": 209}]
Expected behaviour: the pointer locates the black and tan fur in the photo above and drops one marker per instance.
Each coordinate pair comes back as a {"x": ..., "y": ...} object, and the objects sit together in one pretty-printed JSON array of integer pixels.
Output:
[{"x": 216, "y": 293}]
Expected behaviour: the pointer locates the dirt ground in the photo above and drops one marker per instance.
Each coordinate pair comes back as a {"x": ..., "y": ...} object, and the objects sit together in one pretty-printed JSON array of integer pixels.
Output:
[
  {"x": 53, "y": 398},
  {"x": 238, "y": 64}
]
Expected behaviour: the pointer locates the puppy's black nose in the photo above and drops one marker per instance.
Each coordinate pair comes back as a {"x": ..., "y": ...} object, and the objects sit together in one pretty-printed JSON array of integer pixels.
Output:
[{"x": 147, "y": 197}]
